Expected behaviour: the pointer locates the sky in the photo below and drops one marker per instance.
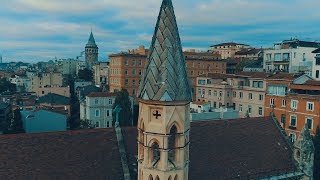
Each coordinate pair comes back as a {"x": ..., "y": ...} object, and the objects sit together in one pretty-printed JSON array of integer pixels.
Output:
[{"x": 40, "y": 30}]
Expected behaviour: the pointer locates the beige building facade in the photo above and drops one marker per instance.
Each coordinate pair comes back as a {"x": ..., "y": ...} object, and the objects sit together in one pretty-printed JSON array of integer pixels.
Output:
[
  {"x": 48, "y": 82},
  {"x": 245, "y": 92},
  {"x": 228, "y": 50}
]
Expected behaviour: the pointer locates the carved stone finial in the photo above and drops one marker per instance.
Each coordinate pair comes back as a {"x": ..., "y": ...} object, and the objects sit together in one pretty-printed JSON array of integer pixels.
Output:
[{"x": 304, "y": 152}]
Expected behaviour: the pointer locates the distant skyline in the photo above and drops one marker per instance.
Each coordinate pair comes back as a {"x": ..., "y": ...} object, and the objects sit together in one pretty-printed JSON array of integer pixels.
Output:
[{"x": 40, "y": 30}]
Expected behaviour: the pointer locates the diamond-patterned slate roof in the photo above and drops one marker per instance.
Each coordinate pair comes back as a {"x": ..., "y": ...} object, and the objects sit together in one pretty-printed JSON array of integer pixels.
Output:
[{"x": 165, "y": 77}]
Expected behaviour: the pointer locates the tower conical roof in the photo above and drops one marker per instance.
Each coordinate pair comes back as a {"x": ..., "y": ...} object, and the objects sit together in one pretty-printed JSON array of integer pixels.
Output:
[
  {"x": 165, "y": 77},
  {"x": 91, "y": 40}
]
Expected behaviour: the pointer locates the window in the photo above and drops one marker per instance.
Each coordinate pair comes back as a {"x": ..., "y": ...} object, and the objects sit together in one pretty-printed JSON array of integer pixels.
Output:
[
  {"x": 210, "y": 92},
  {"x": 108, "y": 124},
  {"x": 240, "y": 107},
  {"x": 277, "y": 90},
  {"x": 126, "y": 62},
  {"x": 133, "y": 92},
  {"x": 260, "y": 111},
  {"x": 133, "y": 62},
  {"x": 140, "y": 72},
  {"x": 110, "y": 101},
  {"x": 257, "y": 84},
  {"x": 220, "y": 93},
  {"x": 215, "y": 93},
  {"x": 155, "y": 153},
  {"x": 202, "y": 81},
  {"x": 97, "y": 113},
  {"x": 140, "y": 62},
  {"x": 293, "y": 121},
  {"x": 271, "y": 101},
  {"x": 283, "y": 118},
  {"x": 172, "y": 144},
  {"x": 214, "y": 104},
  {"x": 133, "y": 82},
  {"x": 126, "y": 82},
  {"x": 241, "y": 95},
  {"x": 108, "y": 113},
  {"x": 97, "y": 124},
  {"x": 310, "y": 106},
  {"x": 294, "y": 55},
  {"x": 309, "y": 122},
  {"x": 277, "y": 57},
  {"x": 294, "y": 104},
  {"x": 96, "y": 101},
  {"x": 228, "y": 93},
  {"x": 260, "y": 97},
  {"x": 133, "y": 71},
  {"x": 249, "y": 109},
  {"x": 317, "y": 73},
  {"x": 284, "y": 103},
  {"x": 126, "y": 72},
  {"x": 234, "y": 94},
  {"x": 292, "y": 137},
  {"x": 250, "y": 96}
]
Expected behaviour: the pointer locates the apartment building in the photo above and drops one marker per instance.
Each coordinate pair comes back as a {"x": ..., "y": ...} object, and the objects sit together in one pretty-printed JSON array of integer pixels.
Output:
[
  {"x": 126, "y": 71},
  {"x": 244, "y": 92},
  {"x": 316, "y": 65},
  {"x": 126, "y": 68},
  {"x": 249, "y": 53},
  {"x": 295, "y": 101},
  {"x": 228, "y": 50},
  {"x": 48, "y": 82},
  {"x": 97, "y": 108},
  {"x": 101, "y": 73},
  {"x": 292, "y": 56}
]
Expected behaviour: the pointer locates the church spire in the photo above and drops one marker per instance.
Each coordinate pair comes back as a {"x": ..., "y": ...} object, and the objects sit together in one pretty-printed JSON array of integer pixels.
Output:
[{"x": 165, "y": 78}]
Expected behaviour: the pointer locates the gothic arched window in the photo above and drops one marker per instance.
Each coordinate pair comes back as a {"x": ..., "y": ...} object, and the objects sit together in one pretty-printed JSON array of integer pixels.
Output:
[
  {"x": 150, "y": 177},
  {"x": 141, "y": 142},
  {"x": 172, "y": 143},
  {"x": 155, "y": 153},
  {"x": 157, "y": 178}
]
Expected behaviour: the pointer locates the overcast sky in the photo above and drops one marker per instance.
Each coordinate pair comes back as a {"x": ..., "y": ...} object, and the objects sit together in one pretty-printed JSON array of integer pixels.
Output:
[{"x": 39, "y": 30}]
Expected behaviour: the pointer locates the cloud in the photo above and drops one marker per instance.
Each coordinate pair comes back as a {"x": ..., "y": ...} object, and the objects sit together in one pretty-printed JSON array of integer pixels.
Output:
[{"x": 39, "y": 29}]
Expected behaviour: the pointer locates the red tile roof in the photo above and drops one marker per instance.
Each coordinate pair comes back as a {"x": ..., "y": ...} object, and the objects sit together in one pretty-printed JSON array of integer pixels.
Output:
[
  {"x": 101, "y": 94},
  {"x": 89, "y": 154},
  {"x": 284, "y": 76},
  {"x": 216, "y": 75},
  {"x": 258, "y": 75},
  {"x": 312, "y": 83},
  {"x": 243, "y": 148}
]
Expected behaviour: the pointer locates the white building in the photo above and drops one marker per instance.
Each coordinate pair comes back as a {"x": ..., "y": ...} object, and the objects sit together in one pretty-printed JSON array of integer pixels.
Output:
[
  {"x": 22, "y": 83},
  {"x": 316, "y": 65},
  {"x": 97, "y": 108},
  {"x": 101, "y": 73},
  {"x": 291, "y": 56}
]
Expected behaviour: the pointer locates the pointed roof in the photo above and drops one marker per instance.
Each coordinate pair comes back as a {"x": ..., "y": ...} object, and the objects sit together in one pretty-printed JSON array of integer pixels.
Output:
[
  {"x": 91, "y": 40},
  {"x": 165, "y": 77}
]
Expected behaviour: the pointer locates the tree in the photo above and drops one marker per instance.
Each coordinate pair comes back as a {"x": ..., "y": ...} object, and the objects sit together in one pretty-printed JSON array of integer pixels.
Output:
[
  {"x": 316, "y": 172},
  {"x": 17, "y": 125},
  {"x": 85, "y": 74},
  {"x": 6, "y": 86},
  {"x": 125, "y": 116}
]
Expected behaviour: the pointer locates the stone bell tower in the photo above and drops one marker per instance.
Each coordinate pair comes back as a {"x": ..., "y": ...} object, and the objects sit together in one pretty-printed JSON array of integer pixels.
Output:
[
  {"x": 165, "y": 96},
  {"x": 304, "y": 153},
  {"x": 91, "y": 51}
]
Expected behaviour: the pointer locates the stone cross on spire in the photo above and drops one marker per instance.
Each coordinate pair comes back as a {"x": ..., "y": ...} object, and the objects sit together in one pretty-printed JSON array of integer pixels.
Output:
[{"x": 165, "y": 77}]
